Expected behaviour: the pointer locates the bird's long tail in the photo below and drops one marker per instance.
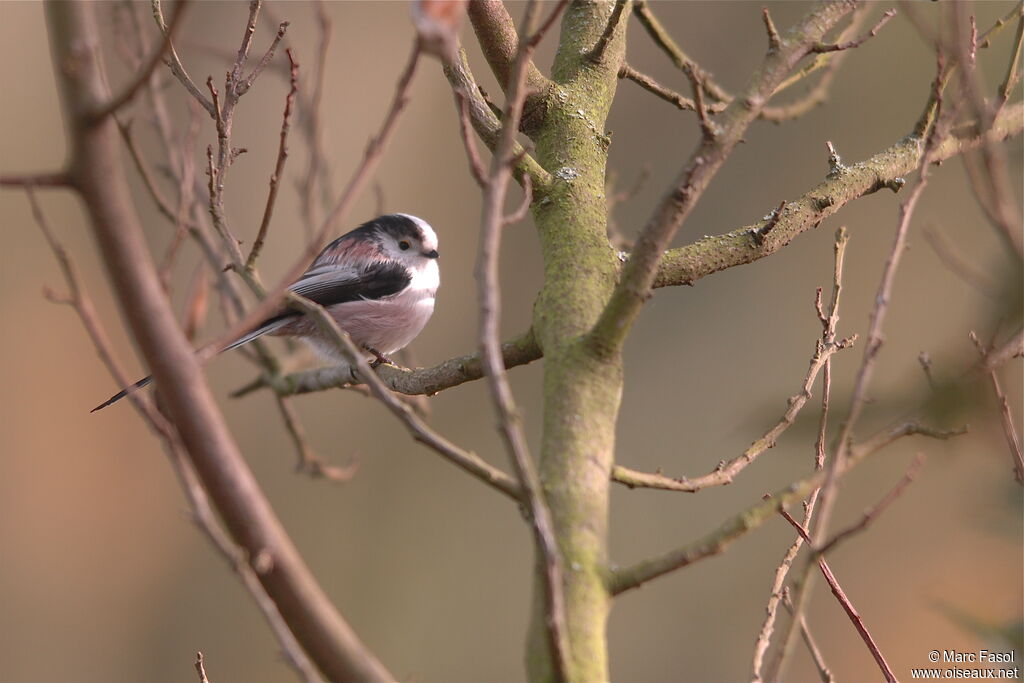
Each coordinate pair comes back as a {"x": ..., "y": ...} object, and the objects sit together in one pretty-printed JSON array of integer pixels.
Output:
[{"x": 265, "y": 328}]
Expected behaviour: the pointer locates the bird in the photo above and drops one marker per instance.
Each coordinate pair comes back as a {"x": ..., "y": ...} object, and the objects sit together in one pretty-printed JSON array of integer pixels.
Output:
[{"x": 378, "y": 281}]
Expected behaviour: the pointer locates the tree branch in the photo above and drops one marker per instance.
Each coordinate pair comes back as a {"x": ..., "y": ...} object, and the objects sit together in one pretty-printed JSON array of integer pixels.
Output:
[
  {"x": 468, "y": 461},
  {"x": 499, "y": 41},
  {"x": 100, "y": 179},
  {"x": 419, "y": 381},
  {"x": 719, "y": 139},
  {"x": 177, "y": 69},
  {"x": 145, "y": 71},
  {"x": 685, "y": 265},
  {"x": 627, "y": 578},
  {"x": 486, "y": 123}
]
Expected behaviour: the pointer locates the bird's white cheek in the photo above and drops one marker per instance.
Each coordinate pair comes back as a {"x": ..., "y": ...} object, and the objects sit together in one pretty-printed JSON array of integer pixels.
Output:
[{"x": 428, "y": 279}]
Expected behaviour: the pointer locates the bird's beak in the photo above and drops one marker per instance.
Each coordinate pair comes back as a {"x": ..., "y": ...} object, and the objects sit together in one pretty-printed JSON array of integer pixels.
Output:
[{"x": 431, "y": 254}]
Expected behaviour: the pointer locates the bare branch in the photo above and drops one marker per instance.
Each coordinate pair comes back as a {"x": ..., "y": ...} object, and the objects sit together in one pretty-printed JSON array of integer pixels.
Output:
[
  {"x": 661, "y": 38},
  {"x": 42, "y": 180},
  {"x": 79, "y": 299},
  {"x": 175, "y": 65},
  {"x": 874, "y": 512},
  {"x": 686, "y": 265},
  {"x": 655, "y": 88},
  {"x": 190, "y": 406},
  {"x": 242, "y": 87},
  {"x": 626, "y": 578},
  {"x": 489, "y": 295},
  {"x": 476, "y": 166},
  {"x": 726, "y": 472},
  {"x": 282, "y": 156},
  {"x": 420, "y": 431},
  {"x": 848, "y": 607},
  {"x": 142, "y": 76},
  {"x": 597, "y": 54},
  {"x": 421, "y": 381},
  {"x": 1005, "y": 415},
  {"x": 719, "y": 139},
  {"x": 499, "y": 41},
  {"x": 201, "y": 668},
  {"x": 849, "y": 45},
  {"x": 487, "y": 125},
  {"x": 828, "y": 321},
  {"x": 774, "y": 42}
]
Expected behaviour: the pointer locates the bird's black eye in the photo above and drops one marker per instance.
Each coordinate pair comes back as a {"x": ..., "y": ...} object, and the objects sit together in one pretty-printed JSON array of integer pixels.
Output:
[{"x": 403, "y": 245}]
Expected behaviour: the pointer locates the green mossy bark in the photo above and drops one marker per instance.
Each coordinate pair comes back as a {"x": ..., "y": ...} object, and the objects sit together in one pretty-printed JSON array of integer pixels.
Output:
[{"x": 582, "y": 390}]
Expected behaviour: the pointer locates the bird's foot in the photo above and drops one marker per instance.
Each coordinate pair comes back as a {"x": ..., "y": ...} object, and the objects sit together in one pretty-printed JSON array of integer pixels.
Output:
[{"x": 380, "y": 357}]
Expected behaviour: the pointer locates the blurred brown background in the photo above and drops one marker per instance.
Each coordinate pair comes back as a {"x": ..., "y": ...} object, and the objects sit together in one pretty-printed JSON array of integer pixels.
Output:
[{"x": 102, "y": 578}]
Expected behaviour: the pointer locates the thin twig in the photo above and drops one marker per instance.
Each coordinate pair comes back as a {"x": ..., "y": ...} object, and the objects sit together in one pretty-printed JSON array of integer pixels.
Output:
[
  {"x": 847, "y": 606},
  {"x": 202, "y": 513},
  {"x": 47, "y": 180},
  {"x": 1005, "y": 416},
  {"x": 201, "y": 668},
  {"x": 174, "y": 62},
  {"x": 309, "y": 462},
  {"x": 476, "y": 166},
  {"x": 371, "y": 158},
  {"x": 774, "y": 41},
  {"x": 492, "y": 222},
  {"x": 243, "y": 86},
  {"x": 597, "y": 54},
  {"x": 282, "y": 156},
  {"x": 819, "y": 660},
  {"x": 873, "y": 513},
  {"x": 726, "y": 472},
  {"x": 859, "y": 393},
  {"x": 142, "y": 76},
  {"x": 829, "y": 320},
  {"x": 534, "y": 40},
  {"x": 655, "y": 88},
  {"x": 857, "y": 42},
  {"x": 661, "y": 38},
  {"x": 420, "y": 431},
  {"x": 627, "y": 578}
]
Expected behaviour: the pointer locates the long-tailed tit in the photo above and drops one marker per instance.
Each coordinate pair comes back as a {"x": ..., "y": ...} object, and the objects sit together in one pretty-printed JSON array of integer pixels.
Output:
[{"x": 377, "y": 281}]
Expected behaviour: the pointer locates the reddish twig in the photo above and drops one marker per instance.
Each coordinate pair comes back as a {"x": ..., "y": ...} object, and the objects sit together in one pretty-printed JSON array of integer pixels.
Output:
[
  {"x": 309, "y": 462},
  {"x": 812, "y": 647},
  {"x": 142, "y": 76},
  {"x": 873, "y": 513},
  {"x": 476, "y": 166},
  {"x": 174, "y": 62},
  {"x": 492, "y": 222},
  {"x": 242, "y": 86},
  {"x": 58, "y": 179},
  {"x": 627, "y": 578},
  {"x": 847, "y": 606},
  {"x": 650, "y": 85},
  {"x": 282, "y": 156},
  {"x": 1005, "y": 415},
  {"x": 829, "y": 320},
  {"x": 371, "y": 158},
  {"x": 79, "y": 299}
]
